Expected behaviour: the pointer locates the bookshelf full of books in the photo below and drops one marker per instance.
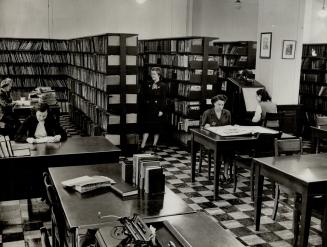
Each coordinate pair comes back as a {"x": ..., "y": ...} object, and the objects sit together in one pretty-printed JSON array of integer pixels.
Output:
[
  {"x": 234, "y": 56},
  {"x": 102, "y": 78},
  {"x": 33, "y": 63},
  {"x": 313, "y": 80},
  {"x": 189, "y": 67}
]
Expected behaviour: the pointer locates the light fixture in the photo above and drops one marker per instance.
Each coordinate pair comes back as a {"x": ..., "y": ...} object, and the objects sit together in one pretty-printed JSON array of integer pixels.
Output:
[
  {"x": 140, "y": 1},
  {"x": 323, "y": 11},
  {"x": 238, "y": 4}
]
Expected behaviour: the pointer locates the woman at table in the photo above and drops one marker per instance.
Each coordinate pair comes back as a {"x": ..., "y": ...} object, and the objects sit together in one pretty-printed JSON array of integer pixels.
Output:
[
  {"x": 264, "y": 106},
  {"x": 7, "y": 118},
  {"x": 152, "y": 102},
  {"x": 40, "y": 127},
  {"x": 218, "y": 116}
]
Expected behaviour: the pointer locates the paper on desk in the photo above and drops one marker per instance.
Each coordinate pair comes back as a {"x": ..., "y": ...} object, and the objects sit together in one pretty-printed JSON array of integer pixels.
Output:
[
  {"x": 85, "y": 180},
  {"x": 237, "y": 130}
]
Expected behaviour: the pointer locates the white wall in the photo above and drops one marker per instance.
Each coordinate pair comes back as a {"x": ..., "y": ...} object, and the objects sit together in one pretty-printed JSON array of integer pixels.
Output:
[
  {"x": 281, "y": 76},
  {"x": 316, "y": 31},
  {"x": 75, "y": 18},
  {"x": 220, "y": 18},
  {"x": 24, "y": 18}
]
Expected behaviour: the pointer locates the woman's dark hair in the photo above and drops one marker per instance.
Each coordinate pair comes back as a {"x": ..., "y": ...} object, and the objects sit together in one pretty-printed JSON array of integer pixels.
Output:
[
  {"x": 42, "y": 107},
  {"x": 221, "y": 97},
  {"x": 264, "y": 95}
]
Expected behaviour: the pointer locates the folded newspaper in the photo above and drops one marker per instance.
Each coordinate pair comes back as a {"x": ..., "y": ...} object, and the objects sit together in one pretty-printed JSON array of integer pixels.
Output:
[{"x": 88, "y": 183}]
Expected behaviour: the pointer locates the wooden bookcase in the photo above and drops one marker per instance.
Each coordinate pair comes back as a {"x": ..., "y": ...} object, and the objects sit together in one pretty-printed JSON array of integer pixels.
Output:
[
  {"x": 189, "y": 67},
  {"x": 313, "y": 82},
  {"x": 102, "y": 78},
  {"x": 35, "y": 62},
  {"x": 233, "y": 57}
]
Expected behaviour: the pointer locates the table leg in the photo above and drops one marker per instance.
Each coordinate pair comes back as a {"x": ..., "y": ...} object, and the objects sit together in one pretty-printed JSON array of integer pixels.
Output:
[
  {"x": 193, "y": 158},
  {"x": 305, "y": 219},
  {"x": 217, "y": 167},
  {"x": 258, "y": 197}
]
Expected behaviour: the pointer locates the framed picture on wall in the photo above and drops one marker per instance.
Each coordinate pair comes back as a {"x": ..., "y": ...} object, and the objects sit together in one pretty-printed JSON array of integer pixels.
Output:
[
  {"x": 265, "y": 45},
  {"x": 289, "y": 49}
]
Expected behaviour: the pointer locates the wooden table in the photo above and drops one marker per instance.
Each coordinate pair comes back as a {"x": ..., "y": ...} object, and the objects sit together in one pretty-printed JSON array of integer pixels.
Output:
[
  {"x": 317, "y": 134},
  {"x": 21, "y": 177},
  {"x": 81, "y": 211},
  {"x": 304, "y": 174},
  {"x": 196, "y": 229},
  {"x": 219, "y": 145}
]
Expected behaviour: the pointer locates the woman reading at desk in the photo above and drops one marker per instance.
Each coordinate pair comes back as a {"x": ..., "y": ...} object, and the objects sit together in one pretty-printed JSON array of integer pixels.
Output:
[
  {"x": 218, "y": 116},
  {"x": 40, "y": 127}
]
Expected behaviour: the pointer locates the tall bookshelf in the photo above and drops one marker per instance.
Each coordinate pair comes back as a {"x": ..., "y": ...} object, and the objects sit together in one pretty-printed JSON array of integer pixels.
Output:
[
  {"x": 313, "y": 82},
  {"x": 233, "y": 57},
  {"x": 33, "y": 63},
  {"x": 189, "y": 67},
  {"x": 102, "y": 78}
]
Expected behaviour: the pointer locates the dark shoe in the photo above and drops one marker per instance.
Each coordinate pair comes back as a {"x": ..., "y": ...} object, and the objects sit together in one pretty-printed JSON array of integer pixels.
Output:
[{"x": 223, "y": 178}]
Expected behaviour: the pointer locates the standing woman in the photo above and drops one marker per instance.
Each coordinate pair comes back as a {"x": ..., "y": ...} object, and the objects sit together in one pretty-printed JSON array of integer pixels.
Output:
[
  {"x": 218, "y": 116},
  {"x": 6, "y": 108},
  {"x": 153, "y": 102},
  {"x": 264, "y": 105}
]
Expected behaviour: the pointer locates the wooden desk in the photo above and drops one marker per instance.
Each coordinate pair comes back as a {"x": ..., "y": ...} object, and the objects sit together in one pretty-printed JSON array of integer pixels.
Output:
[
  {"x": 81, "y": 211},
  {"x": 304, "y": 174},
  {"x": 21, "y": 177},
  {"x": 219, "y": 145},
  {"x": 197, "y": 229},
  {"x": 317, "y": 134}
]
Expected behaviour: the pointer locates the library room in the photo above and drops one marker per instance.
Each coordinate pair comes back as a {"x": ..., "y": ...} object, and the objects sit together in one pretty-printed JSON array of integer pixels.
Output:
[{"x": 169, "y": 123}]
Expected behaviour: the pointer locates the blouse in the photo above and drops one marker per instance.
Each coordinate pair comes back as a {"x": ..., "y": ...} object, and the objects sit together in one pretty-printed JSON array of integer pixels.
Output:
[{"x": 210, "y": 117}]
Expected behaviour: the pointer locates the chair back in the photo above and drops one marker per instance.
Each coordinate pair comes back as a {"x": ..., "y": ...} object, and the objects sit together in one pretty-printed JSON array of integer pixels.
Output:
[
  {"x": 273, "y": 120},
  {"x": 321, "y": 121},
  {"x": 45, "y": 241},
  {"x": 5, "y": 147},
  {"x": 288, "y": 146},
  {"x": 265, "y": 144}
]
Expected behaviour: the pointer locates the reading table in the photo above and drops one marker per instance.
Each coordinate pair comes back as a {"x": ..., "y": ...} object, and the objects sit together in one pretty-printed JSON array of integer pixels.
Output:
[
  {"x": 81, "y": 210},
  {"x": 304, "y": 174},
  {"x": 22, "y": 176}
]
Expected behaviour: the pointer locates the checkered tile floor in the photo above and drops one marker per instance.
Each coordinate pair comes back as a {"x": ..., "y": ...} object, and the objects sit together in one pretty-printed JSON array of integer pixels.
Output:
[{"x": 19, "y": 226}]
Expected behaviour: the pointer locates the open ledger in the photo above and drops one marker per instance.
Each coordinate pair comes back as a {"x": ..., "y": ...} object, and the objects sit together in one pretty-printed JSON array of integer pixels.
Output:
[
  {"x": 88, "y": 183},
  {"x": 238, "y": 130}
]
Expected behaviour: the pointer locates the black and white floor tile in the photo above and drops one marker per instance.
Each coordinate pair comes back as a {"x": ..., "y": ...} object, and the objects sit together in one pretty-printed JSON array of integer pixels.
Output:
[{"x": 19, "y": 225}]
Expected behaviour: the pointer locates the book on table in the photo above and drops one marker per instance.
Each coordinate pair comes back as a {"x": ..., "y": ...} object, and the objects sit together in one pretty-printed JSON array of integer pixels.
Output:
[
  {"x": 88, "y": 183},
  {"x": 238, "y": 130},
  {"x": 124, "y": 189}
]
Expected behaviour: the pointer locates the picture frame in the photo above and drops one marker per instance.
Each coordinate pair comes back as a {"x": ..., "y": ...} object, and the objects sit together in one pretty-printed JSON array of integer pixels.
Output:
[
  {"x": 265, "y": 45},
  {"x": 288, "y": 51}
]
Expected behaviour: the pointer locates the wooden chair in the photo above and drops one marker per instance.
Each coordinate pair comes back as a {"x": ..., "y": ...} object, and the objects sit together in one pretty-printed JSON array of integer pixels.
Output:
[
  {"x": 45, "y": 241},
  {"x": 320, "y": 121},
  {"x": 285, "y": 147},
  {"x": 263, "y": 146},
  {"x": 57, "y": 216},
  {"x": 273, "y": 120}
]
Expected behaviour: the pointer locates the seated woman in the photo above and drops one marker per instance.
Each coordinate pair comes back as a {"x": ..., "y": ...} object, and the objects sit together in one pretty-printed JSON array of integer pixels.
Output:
[
  {"x": 40, "y": 127},
  {"x": 264, "y": 105},
  {"x": 218, "y": 116},
  {"x": 8, "y": 122}
]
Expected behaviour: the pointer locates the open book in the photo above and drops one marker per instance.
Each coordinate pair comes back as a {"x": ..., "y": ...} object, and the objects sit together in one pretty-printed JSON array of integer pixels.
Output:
[
  {"x": 88, "y": 183},
  {"x": 238, "y": 130}
]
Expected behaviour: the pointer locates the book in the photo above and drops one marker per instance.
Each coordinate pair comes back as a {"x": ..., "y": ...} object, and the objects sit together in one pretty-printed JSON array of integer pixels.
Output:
[
  {"x": 154, "y": 181},
  {"x": 124, "y": 189},
  {"x": 127, "y": 172},
  {"x": 144, "y": 165},
  {"x": 88, "y": 183}
]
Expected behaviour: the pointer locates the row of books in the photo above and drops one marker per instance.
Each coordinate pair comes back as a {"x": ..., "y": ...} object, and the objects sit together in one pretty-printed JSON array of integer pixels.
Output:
[
  {"x": 313, "y": 89},
  {"x": 85, "y": 124},
  {"x": 186, "y": 107},
  {"x": 182, "y": 123},
  {"x": 175, "y": 60},
  {"x": 314, "y": 50},
  {"x": 32, "y": 58},
  {"x": 33, "y": 45},
  {"x": 83, "y": 60},
  {"x": 189, "y": 90},
  {"x": 313, "y": 77},
  {"x": 99, "y": 44},
  {"x": 231, "y": 49},
  {"x": 64, "y": 106},
  {"x": 96, "y": 97},
  {"x": 31, "y": 70},
  {"x": 317, "y": 104},
  {"x": 308, "y": 63},
  {"x": 38, "y": 82},
  {"x": 98, "y": 116},
  {"x": 233, "y": 61},
  {"x": 61, "y": 96},
  {"x": 169, "y": 45}
]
